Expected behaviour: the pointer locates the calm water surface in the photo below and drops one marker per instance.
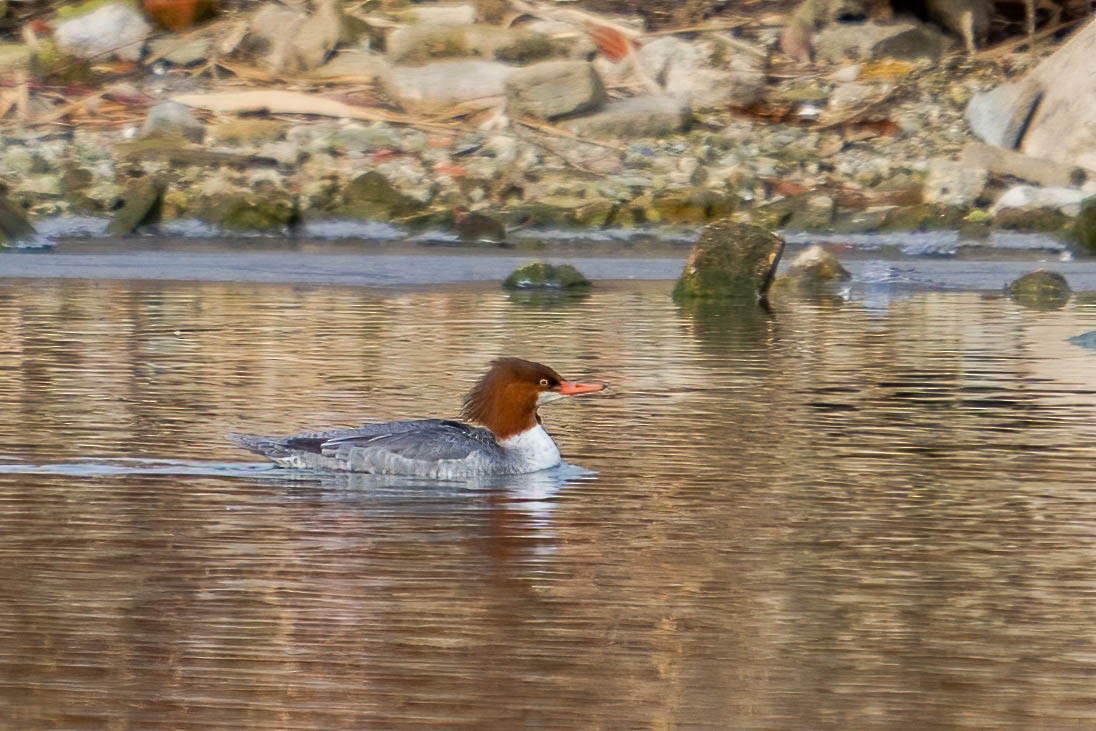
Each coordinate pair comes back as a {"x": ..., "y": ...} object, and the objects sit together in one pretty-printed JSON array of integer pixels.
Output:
[{"x": 874, "y": 514}]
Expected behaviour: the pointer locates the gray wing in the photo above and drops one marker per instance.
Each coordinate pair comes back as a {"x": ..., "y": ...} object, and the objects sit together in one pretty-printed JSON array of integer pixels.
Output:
[{"x": 397, "y": 447}]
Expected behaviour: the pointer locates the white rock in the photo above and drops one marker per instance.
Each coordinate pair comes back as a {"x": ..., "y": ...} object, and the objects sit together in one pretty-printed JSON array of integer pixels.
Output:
[
  {"x": 110, "y": 30},
  {"x": 1063, "y": 128},
  {"x": 953, "y": 183},
  {"x": 852, "y": 94},
  {"x": 1066, "y": 200},
  {"x": 446, "y": 82},
  {"x": 999, "y": 116},
  {"x": 684, "y": 71}
]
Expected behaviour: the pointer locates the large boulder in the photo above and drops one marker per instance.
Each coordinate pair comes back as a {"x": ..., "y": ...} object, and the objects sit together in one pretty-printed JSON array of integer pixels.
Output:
[
  {"x": 1062, "y": 126},
  {"x": 731, "y": 261}
]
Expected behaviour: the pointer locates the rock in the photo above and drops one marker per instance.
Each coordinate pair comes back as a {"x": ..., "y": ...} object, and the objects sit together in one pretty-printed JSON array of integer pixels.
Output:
[
  {"x": 844, "y": 42},
  {"x": 14, "y": 226},
  {"x": 541, "y": 275},
  {"x": 952, "y": 183},
  {"x": 297, "y": 41},
  {"x": 259, "y": 211},
  {"x": 1000, "y": 116},
  {"x": 1012, "y": 164},
  {"x": 851, "y": 95},
  {"x": 814, "y": 269},
  {"x": 1061, "y": 127},
  {"x": 687, "y": 73},
  {"x": 815, "y": 214},
  {"x": 370, "y": 196},
  {"x": 1031, "y": 220},
  {"x": 923, "y": 217},
  {"x": 115, "y": 29},
  {"x": 188, "y": 50},
  {"x": 445, "y": 83},
  {"x": 171, "y": 119},
  {"x": 639, "y": 116},
  {"x": 731, "y": 261},
  {"x": 318, "y": 35},
  {"x": 689, "y": 206},
  {"x": 1040, "y": 290},
  {"x": 478, "y": 228},
  {"x": 554, "y": 89},
  {"x": 142, "y": 205},
  {"x": 1084, "y": 228},
  {"x": 1066, "y": 200},
  {"x": 416, "y": 44}
]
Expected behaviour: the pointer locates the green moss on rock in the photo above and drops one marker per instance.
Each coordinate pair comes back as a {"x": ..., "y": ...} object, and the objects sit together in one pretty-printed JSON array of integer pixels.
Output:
[
  {"x": 1084, "y": 228},
  {"x": 1040, "y": 290},
  {"x": 269, "y": 213},
  {"x": 731, "y": 261},
  {"x": 541, "y": 275}
]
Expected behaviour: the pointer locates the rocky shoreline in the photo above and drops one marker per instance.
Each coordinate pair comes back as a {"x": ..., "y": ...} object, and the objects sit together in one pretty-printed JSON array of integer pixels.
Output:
[{"x": 543, "y": 124}]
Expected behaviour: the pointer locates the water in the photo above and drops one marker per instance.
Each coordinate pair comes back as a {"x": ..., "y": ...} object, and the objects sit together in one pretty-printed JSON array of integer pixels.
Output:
[{"x": 866, "y": 514}]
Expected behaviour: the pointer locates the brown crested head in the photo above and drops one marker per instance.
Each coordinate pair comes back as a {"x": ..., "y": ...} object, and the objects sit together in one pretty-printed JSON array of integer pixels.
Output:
[{"x": 505, "y": 399}]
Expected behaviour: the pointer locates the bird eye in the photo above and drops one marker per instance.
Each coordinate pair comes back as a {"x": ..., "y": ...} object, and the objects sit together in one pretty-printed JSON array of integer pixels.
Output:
[{"x": 544, "y": 382}]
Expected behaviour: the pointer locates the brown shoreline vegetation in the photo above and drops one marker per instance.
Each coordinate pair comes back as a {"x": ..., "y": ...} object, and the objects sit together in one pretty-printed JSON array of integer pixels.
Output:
[{"x": 820, "y": 115}]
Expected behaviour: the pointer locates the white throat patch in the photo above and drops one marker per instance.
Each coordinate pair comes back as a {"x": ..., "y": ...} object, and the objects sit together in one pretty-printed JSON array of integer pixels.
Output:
[{"x": 532, "y": 450}]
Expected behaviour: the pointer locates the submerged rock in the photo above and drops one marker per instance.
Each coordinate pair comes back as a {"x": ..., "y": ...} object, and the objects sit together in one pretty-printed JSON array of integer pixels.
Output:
[
  {"x": 814, "y": 269},
  {"x": 731, "y": 261},
  {"x": 541, "y": 275},
  {"x": 1041, "y": 290}
]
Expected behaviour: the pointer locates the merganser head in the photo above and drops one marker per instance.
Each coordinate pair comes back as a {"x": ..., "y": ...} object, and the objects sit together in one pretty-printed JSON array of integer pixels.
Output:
[{"x": 505, "y": 400}]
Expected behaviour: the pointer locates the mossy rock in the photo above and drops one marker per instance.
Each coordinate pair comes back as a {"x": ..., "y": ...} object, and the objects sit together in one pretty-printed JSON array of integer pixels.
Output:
[
  {"x": 924, "y": 217},
  {"x": 371, "y": 197},
  {"x": 247, "y": 212},
  {"x": 14, "y": 226},
  {"x": 541, "y": 275},
  {"x": 1084, "y": 228},
  {"x": 142, "y": 206},
  {"x": 731, "y": 261},
  {"x": 1041, "y": 290},
  {"x": 1031, "y": 220},
  {"x": 690, "y": 206}
]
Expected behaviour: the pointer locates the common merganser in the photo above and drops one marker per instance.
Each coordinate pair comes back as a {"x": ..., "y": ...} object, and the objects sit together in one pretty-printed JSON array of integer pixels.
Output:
[{"x": 504, "y": 401}]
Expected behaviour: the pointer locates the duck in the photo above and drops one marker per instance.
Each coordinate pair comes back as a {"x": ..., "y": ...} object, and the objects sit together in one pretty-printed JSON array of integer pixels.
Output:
[{"x": 499, "y": 433}]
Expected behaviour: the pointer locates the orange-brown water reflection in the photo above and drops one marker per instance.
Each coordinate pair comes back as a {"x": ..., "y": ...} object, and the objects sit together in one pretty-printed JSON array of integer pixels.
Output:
[{"x": 830, "y": 517}]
